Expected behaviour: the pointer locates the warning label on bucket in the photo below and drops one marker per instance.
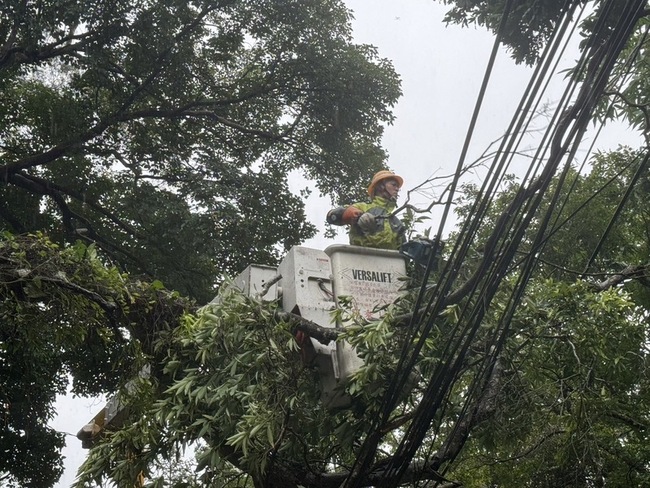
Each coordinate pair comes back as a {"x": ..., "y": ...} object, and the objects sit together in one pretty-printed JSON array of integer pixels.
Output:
[{"x": 371, "y": 278}]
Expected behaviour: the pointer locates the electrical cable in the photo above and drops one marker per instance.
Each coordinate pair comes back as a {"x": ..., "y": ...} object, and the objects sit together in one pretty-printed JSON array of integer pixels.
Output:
[
  {"x": 639, "y": 172},
  {"x": 558, "y": 147},
  {"x": 622, "y": 79},
  {"x": 541, "y": 72},
  {"x": 364, "y": 458},
  {"x": 567, "y": 133},
  {"x": 526, "y": 273},
  {"x": 468, "y": 233},
  {"x": 362, "y": 461}
]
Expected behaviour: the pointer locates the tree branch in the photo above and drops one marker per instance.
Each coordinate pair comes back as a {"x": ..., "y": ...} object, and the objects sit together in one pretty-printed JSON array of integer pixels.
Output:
[
  {"x": 637, "y": 272},
  {"x": 43, "y": 187}
]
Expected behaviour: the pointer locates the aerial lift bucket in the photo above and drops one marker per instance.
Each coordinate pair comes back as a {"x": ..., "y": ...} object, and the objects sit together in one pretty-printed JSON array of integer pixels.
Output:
[{"x": 370, "y": 279}]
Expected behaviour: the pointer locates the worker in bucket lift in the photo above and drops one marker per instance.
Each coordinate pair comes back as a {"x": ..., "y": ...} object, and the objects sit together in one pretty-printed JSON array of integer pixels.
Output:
[{"x": 371, "y": 224}]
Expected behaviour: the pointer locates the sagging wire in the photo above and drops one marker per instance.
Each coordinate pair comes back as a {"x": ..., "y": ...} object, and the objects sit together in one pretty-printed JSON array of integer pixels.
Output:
[
  {"x": 539, "y": 83},
  {"x": 505, "y": 147},
  {"x": 466, "y": 247},
  {"x": 574, "y": 136},
  {"x": 637, "y": 175},
  {"x": 519, "y": 125},
  {"x": 505, "y": 153},
  {"x": 366, "y": 453},
  {"x": 625, "y": 27},
  {"x": 600, "y": 81},
  {"x": 581, "y": 113},
  {"x": 559, "y": 224},
  {"x": 627, "y": 70}
]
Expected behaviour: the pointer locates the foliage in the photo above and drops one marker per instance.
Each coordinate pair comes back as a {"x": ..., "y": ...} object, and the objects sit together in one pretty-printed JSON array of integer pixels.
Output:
[
  {"x": 232, "y": 378},
  {"x": 162, "y": 135},
  {"x": 572, "y": 409},
  {"x": 582, "y": 220},
  {"x": 64, "y": 314},
  {"x": 573, "y": 393},
  {"x": 166, "y": 132},
  {"x": 183, "y": 121},
  {"x": 528, "y": 26},
  {"x": 565, "y": 405},
  {"x": 572, "y": 397}
]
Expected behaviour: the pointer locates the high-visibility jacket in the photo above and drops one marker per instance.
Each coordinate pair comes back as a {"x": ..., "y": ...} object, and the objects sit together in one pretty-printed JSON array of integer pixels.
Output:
[{"x": 390, "y": 231}]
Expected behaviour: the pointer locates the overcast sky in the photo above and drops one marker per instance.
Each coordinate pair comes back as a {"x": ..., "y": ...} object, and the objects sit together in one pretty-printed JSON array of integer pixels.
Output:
[{"x": 441, "y": 70}]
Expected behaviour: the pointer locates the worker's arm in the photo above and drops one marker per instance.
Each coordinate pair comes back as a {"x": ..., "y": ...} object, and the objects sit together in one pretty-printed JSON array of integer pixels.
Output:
[{"x": 344, "y": 215}]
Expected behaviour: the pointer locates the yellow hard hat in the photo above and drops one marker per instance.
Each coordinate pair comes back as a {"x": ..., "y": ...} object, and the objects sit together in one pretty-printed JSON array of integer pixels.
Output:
[{"x": 382, "y": 175}]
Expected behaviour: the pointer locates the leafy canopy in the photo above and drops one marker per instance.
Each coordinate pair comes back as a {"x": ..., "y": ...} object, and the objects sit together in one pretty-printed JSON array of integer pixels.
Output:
[
  {"x": 157, "y": 138},
  {"x": 64, "y": 315},
  {"x": 165, "y": 132},
  {"x": 565, "y": 403}
]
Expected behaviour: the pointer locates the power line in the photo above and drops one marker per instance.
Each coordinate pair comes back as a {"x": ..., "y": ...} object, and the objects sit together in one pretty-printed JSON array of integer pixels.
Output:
[{"x": 562, "y": 138}]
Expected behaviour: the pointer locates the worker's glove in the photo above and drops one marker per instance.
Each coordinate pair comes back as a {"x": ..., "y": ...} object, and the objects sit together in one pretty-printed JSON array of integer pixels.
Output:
[{"x": 367, "y": 223}]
